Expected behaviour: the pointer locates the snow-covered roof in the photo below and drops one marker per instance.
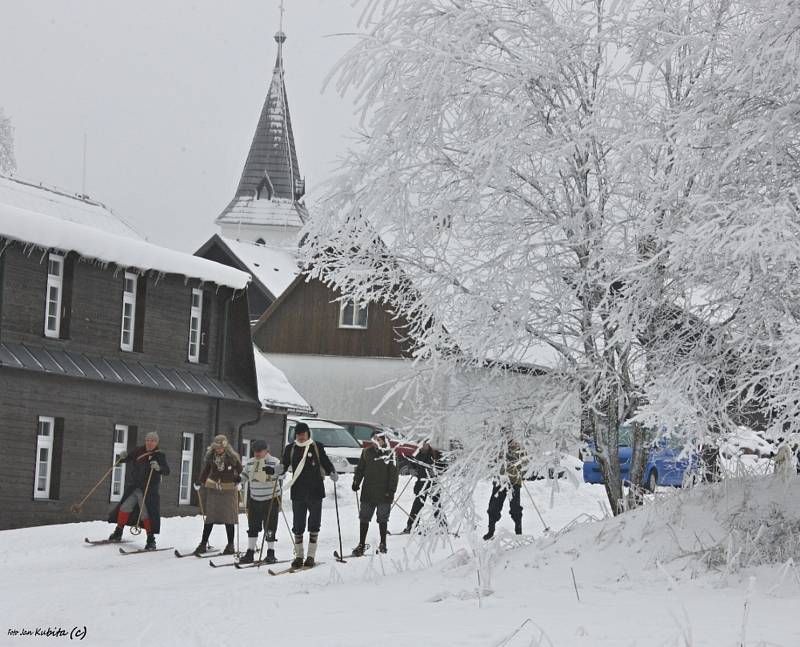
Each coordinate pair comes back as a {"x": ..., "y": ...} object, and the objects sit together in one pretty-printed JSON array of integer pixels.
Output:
[
  {"x": 277, "y": 212},
  {"x": 59, "y": 204},
  {"x": 274, "y": 389},
  {"x": 50, "y": 231},
  {"x": 274, "y": 267}
]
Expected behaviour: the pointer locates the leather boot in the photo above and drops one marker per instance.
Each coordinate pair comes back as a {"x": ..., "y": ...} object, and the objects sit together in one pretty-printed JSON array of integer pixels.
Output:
[
  {"x": 383, "y": 531},
  {"x": 358, "y": 551},
  {"x": 489, "y": 534}
]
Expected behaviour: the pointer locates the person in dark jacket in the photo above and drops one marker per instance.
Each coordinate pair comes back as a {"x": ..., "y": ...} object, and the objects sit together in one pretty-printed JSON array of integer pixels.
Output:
[
  {"x": 509, "y": 479},
  {"x": 309, "y": 463},
  {"x": 429, "y": 465},
  {"x": 377, "y": 468},
  {"x": 220, "y": 482},
  {"x": 145, "y": 467}
]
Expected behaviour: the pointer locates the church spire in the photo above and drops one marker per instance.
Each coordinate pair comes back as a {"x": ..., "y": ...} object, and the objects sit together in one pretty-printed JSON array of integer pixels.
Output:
[
  {"x": 271, "y": 165},
  {"x": 268, "y": 206}
]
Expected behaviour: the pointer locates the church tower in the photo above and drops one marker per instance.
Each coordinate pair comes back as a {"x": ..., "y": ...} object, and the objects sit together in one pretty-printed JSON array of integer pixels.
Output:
[{"x": 268, "y": 206}]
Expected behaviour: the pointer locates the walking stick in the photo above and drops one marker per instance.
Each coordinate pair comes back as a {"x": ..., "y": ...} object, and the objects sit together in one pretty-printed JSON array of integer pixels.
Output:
[
  {"x": 546, "y": 527},
  {"x": 137, "y": 530},
  {"x": 338, "y": 526},
  {"x": 269, "y": 516},
  {"x": 77, "y": 507}
]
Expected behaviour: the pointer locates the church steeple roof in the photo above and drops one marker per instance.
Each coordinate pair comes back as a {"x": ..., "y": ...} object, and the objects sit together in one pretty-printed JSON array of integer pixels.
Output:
[
  {"x": 271, "y": 173},
  {"x": 272, "y": 153}
]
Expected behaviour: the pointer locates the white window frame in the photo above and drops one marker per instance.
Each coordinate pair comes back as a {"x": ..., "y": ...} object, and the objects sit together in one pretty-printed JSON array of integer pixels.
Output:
[
  {"x": 195, "y": 325},
  {"x": 44, "y": 441},
  {"x": 129, "y": 299},
  {"x": 353, "y": 322},
  {"x": 52, "y": 308},
  {"x": 118, "y": 474},
  {"x": 187, "y": 459}
]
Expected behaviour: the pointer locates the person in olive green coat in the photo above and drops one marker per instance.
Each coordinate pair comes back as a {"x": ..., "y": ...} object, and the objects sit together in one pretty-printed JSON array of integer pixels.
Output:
[{"x": 377, "y": 468}]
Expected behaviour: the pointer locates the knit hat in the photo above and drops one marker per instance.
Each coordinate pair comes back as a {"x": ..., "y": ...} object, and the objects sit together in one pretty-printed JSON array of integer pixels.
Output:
[
  {"x": 220, "y": 442},
  {"x": 301, "y": 428},
  {"x": 259, "y": 445},
  {"x": 153, "y": 435}
]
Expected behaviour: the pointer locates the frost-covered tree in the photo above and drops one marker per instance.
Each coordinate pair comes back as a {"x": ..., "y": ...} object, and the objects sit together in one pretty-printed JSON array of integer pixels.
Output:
[
  {"x": 734, "y": 249},
  {"x": 531, "y": 189},
  {"x": 7, "y": 161}
]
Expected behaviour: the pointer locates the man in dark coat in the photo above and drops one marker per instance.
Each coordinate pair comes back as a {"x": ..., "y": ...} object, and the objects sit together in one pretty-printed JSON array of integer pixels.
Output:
[
  {"x": 429, "y": 464},
  {"x": 145, "y": 467},
  {"x": 509, "y": 479},
  {"x": 377, "y": 468},
  {"x": 309, "y": 464}
]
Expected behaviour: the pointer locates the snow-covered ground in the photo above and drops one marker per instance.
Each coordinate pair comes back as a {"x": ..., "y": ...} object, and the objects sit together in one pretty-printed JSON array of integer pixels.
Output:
[{"x": 641, "y": 580}]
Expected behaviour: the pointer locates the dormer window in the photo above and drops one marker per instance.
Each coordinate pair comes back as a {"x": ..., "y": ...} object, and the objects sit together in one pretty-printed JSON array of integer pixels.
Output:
[
  {"x": 265, "y": 189},
  {"x": 352, "y": 315}
]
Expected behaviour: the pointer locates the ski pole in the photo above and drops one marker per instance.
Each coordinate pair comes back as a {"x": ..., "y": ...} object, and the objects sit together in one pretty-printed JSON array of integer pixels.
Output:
[
  {"x": 237, "y": 502},
  {"x": 535, "y": 507},
  {"x": 338, "y": 526},
  {"x": 397, "y": 498},
  {"x": 77, "y": 507},
  {"x": 285, "y": 520},
  {"x": 137, "y": 530},
  {"x": 269, "y": 517}
]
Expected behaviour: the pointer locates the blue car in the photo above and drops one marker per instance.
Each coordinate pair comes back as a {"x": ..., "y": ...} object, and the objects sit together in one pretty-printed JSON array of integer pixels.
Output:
[{"x": 667, "y": 462}]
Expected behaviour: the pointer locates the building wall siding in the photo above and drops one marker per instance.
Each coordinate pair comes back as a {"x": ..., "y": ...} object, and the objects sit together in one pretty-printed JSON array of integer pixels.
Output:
[
  {"x": 90, "y": 411},
  {"x": 306, "y": 321},
  {"x": 96, "y": 312}
]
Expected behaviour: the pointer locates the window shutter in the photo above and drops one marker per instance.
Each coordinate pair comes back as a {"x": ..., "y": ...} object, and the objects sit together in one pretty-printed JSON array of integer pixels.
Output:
[
  {"x": 132, "y": 429},
  {"x": 55, "y": 467},
  {"x": 205, "y": 325},
  {"x": 66, "y": 294},
  {"x": 197, "y": 465},
  {"x": 138, "y": 325}
]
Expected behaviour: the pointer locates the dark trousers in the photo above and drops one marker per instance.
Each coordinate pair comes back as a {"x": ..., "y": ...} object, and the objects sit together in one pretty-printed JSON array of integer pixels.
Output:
[
  {"x": 498, "y": 499},
  {"x": 422, "y": 489},
  {"x": 263, "y": 514},
  {"x": 367, "y": 509},
  {"x": 306, "y": 507}
]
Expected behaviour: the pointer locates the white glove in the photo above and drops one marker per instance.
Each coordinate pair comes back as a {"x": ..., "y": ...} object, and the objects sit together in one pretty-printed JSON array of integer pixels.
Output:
[
  {"x": 155, "y": 466},
  {"x": 334, "y": 476},
  {"x": 122, "y": 455},
  {"x": 196, "y": 487}
]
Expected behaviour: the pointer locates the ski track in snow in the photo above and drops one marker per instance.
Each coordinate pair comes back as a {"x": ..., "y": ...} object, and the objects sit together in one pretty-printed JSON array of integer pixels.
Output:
[{"x": 53, "y": 579}]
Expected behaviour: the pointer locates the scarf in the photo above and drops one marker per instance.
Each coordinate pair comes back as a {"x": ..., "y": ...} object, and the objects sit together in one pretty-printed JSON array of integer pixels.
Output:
[{"x": 302, "y": 462}]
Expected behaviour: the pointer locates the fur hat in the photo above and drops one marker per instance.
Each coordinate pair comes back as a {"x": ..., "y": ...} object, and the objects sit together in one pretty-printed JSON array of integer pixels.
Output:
[
  {"x": 153, "y": 435},
  {"x": 301, "y": 428},
  {"x": 259, "y": 445},
  {"x": 220, "y": 442}
]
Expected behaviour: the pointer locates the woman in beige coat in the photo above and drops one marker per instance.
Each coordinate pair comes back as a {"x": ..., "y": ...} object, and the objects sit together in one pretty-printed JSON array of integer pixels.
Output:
[{"x": 219, "y": 481}]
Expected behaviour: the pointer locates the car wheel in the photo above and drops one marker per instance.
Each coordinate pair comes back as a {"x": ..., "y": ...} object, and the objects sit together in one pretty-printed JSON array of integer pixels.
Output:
[{"x": 652, "y": 480}]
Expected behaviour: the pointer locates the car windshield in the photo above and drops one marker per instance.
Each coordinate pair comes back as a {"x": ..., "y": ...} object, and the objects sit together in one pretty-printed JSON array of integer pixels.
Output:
[{"x": 331, "y": 437}]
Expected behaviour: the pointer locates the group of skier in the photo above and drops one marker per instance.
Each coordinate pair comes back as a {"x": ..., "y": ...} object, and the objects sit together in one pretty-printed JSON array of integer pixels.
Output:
[{"x": 223, "y": 475}]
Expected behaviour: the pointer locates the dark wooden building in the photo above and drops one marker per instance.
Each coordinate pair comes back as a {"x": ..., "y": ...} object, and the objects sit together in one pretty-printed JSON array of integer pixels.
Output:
[{"x": 105, "y": 337}]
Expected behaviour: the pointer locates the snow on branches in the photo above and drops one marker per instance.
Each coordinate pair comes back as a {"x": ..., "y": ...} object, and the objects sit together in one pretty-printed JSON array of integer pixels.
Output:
[{"x": 602, "y": 193}]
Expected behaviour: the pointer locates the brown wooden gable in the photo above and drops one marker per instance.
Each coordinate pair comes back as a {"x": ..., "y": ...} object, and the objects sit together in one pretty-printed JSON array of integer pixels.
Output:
[{"x": 305, "y": 320}]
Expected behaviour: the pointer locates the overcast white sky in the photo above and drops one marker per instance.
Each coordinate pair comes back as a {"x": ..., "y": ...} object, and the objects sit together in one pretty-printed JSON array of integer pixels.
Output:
[{"x": 169, "y": 93}]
